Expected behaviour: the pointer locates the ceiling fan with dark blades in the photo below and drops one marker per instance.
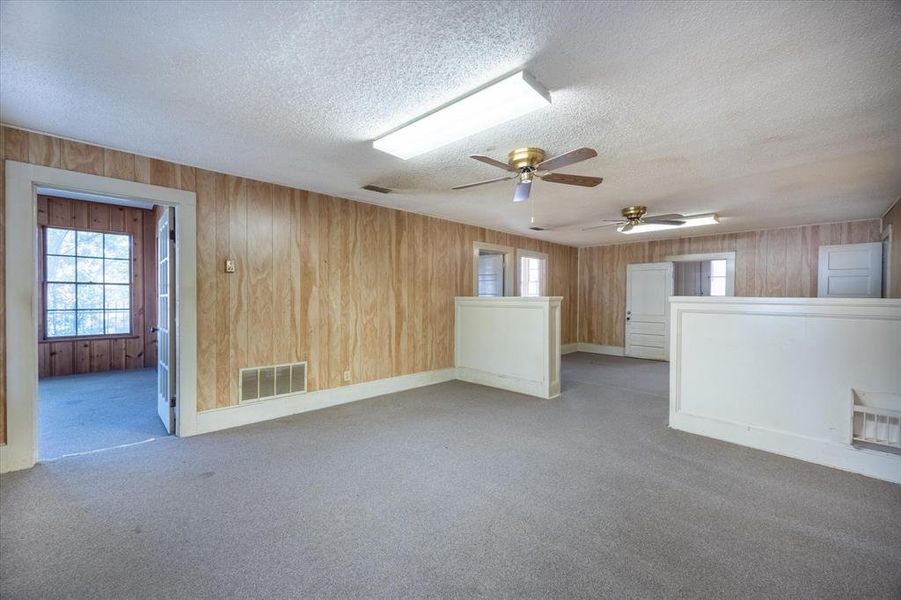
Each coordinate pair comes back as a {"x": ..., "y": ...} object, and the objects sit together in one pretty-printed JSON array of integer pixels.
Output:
[
  {"x": 525, "y": 164},
  {"x": 635, "y": 215}
]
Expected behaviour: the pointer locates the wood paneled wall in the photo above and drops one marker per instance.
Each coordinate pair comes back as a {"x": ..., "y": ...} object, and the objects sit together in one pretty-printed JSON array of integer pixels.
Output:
[
  {"x": 67, "y": 357},
  {"x": 344, "y": 285},
  {"x": 893, "y": 218},
  {"x": 773, "y": 262}
]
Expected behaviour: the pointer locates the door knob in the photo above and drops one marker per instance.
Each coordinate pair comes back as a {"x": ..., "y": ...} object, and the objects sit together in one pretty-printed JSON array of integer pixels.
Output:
[{"x": 154, "y": 329}]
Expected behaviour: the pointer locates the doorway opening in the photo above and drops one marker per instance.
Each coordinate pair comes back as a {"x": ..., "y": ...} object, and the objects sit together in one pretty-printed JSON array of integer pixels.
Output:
[
  {"x": 104, "y": 286},
  {"x": 493, "y": 269}
]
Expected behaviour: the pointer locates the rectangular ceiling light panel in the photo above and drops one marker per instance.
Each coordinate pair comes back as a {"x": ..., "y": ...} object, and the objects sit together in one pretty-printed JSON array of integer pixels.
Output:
[
  {"x": 693, "y": 221},
  {"x": 511, "y": 97}
]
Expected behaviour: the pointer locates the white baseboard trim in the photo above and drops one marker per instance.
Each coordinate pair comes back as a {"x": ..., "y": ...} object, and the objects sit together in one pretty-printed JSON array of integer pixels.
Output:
[
  {"x": 513, "y": 384},
  {"x": 264, "y": 410},
  {"x": 864, "y": 461},
  {"x": 599, "y": 349},
  {"x": 569, "y": 348}
]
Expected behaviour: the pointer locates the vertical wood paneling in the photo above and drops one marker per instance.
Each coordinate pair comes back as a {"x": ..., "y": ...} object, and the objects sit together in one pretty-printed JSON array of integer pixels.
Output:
[
  {"x": 775, "y": 262},
  {"x": 340, "y": 284}
]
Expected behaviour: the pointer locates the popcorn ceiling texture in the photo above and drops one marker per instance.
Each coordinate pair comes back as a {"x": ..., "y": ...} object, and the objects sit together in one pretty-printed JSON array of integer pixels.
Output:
[{"x": 769, "y": 113}]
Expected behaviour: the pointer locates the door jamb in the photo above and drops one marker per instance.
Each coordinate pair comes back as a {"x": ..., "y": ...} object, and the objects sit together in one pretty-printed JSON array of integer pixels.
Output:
[{"x": 22, "y": 181}]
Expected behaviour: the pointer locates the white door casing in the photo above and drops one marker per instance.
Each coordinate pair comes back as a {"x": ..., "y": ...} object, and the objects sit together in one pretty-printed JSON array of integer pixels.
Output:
[
  {"x": 850, "y": 271},
  {"x": 22, "y": 311},
  {"x": 648, "y": 289},
  {"x": 165, "y": 315}
]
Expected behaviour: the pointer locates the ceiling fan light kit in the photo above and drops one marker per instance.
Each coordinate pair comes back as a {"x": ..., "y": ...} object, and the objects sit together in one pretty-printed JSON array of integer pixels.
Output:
[{"x": 499, "y": 102}]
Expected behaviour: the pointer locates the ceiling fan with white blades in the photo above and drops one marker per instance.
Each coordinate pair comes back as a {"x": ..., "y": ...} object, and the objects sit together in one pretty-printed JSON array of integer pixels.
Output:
[
  {"x": 635, "y": 215},
  {"x": 525, "y": 164}
]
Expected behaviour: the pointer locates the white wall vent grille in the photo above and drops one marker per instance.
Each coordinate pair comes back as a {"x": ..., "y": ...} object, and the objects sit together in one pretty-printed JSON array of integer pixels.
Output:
[{"x": 263, "y": 383}]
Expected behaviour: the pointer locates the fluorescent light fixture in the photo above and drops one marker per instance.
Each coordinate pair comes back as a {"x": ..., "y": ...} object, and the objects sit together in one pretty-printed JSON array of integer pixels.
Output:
[
  {"x": 511, "y": 97},
  {"x": 692, "y": 221}
]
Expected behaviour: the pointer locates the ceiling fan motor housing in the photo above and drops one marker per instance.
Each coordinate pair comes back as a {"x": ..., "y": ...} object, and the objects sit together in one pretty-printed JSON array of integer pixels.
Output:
[
  {"x": 634, "y": 213},
  {"x": 525, "y": 158}
]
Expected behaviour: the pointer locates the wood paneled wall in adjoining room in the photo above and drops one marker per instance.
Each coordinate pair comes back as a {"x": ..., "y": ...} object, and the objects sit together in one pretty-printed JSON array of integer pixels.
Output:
[
  {"x": 773, "y": 262},
  {"x": 343, "y": 285},
  {"x": 91, "y": 355},
  {"x": 893, "y": 218}
]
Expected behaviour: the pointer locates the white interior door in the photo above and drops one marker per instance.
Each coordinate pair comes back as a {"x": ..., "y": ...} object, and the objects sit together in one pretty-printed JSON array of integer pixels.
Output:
[
  {"x": 850, "y": 271},
  {"x": 648, "y": 288},
  {"x": 165, "y": 254}
]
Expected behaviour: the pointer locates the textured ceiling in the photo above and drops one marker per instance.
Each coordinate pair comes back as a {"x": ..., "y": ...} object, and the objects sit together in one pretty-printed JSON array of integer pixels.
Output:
[{"x": 768, "y": 113}]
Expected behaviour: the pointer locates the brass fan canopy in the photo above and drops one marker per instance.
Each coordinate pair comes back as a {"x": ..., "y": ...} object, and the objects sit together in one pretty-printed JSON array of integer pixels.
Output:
[
  {"x": 634, "y": 213},
  {"x": 525, "y": 157}
]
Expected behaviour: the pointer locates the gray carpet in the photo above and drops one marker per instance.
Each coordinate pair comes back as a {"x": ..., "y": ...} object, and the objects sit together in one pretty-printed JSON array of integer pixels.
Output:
[
  {"x": 453, "y": 491},
  {"x": 87, "y": 412}
]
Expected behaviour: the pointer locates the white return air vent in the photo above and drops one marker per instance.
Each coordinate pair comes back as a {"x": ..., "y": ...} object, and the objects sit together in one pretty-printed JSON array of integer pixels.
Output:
[{"x": 263, "y": 383}]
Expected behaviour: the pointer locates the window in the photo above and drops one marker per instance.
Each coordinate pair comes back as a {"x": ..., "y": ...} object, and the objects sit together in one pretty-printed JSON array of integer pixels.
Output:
[
  {"x": 87, "y": 283},
  {"x": 718, "y": 277},
  {"x": 532, "y": 273}
]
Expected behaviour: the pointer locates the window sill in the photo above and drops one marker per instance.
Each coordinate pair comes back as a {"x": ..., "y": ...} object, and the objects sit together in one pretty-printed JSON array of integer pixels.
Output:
[{"x": 89, "y": 338}]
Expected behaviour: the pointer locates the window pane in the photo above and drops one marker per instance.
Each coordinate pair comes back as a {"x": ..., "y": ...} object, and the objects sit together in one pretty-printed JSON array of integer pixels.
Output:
[
  {"x": 60, "y": 241},
  {"x": 60, "y": 323},
  {"x": 717, "y": 286},
  {"x": 90, "y": 322},
  {"x": 117, "y": 321},
  {"x": 116, "y": 246},
  {"x": 60, "y": 268},
  {"x": 717, "y": 268},
  {"x": 61, "y": 295},
  {"x": 117, "y": 296},
  {"x": 90, "y": 270},
  {"x": 116, "y": 271},
  {"x": 90, "y": 244},
  {"x": 90, "y": 296}
]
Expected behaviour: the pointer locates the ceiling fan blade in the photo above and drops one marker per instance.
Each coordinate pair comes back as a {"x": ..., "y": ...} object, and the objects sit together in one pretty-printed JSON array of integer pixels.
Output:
[
  {"x": 469, "y": 185},
  {"x": 583, "y": 180},
  {"x": 564, "y": 160},
  {"x": 494, "y": 163},
  {"x": 657, "y": 221},
  {"x": 604, "y": 225},
  {"x": 523, "y": 188},
  {"x": 627, "y": 227}
]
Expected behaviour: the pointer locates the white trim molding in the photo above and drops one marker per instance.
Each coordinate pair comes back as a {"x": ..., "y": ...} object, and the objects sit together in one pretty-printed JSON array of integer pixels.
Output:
[
  {"x": 569, "y": 348},
  {"x": 509, "y": 253},
  {"x": 779, "y": 374},
  {"x": 292, "y": 404},
  {"x": 22, "y": 314},
  {"x": 729, "y": 257}
]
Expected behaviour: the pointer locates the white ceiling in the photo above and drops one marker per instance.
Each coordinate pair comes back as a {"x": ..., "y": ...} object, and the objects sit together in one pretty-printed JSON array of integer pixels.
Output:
[{"x": 768, "y": 113}]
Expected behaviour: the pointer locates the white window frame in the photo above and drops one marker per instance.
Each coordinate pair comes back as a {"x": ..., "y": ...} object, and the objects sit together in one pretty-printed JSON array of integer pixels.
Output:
[
  {"x": 23, "y": 313},
  {"x": 542, "y": 283},
  {"x": 729, "y": 257},
  {"x": 509, "y": 267}
]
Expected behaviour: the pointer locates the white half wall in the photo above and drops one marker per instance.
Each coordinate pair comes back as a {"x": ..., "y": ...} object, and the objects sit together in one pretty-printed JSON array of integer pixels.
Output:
[
  {"x": 778, "y": 373},
  {"x": 510, "y": 343}
]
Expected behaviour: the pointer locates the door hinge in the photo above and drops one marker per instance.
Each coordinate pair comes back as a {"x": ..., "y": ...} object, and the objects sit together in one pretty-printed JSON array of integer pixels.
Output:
[
  {"x": 172, "y": 402},
  {"x": 172, "y": 234}
]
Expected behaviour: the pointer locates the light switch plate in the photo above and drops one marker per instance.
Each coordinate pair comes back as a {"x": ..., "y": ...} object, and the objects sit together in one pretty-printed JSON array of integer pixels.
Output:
[{"x": 229, "y": 265}]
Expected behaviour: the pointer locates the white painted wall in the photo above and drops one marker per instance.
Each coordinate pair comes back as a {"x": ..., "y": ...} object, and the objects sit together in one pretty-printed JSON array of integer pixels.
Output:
[
  {"x": 778, "y": 373},
  {"x": 511, "y": 343}
]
